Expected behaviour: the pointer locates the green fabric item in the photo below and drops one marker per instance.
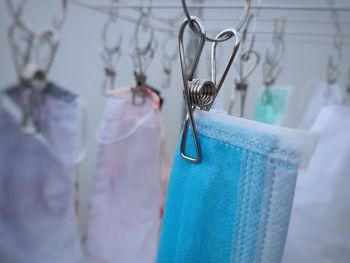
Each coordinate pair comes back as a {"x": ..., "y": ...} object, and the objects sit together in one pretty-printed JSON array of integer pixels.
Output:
[{"x": 272, "y": 104}]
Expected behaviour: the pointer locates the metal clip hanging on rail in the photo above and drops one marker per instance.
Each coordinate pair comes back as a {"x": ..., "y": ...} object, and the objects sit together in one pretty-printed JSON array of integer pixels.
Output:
[
  {"x": 142, "y": 56},
  {"x": 110, "y": 54},
  {"x": 167, "y": 62},
  {"x": 33, "y": 58},
  {"x": 139, "y": 95},
  {"x": 333, "y": 69},
  {"x": 238, "y": 27},
  {"x": 198, "y": 93},
  {"x": 348, "y": 88},
  {"x": 248, "y": 62},
  {"x": 275, "y": 53},
  {"x": 203, "y": 93}
]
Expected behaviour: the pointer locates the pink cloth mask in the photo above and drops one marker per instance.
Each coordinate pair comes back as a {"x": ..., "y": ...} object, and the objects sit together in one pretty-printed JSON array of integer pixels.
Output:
[
  {"x": 124, "y": 219},
  {"x": 37, "y": 218}
]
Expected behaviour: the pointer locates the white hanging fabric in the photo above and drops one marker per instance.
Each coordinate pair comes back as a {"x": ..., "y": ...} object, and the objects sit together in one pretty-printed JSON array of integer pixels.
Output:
[
  {"x": 322, "y": 95},
  {"x": 37, "y": 208},
  {"x": 319, "y": 228},
  {"x": 126, "y": 200}
]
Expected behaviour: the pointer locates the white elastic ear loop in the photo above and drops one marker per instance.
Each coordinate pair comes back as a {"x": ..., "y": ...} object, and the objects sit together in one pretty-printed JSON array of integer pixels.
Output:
[
  {"x": 143, "y": 120},
  {"x": 16, "y": 114}
]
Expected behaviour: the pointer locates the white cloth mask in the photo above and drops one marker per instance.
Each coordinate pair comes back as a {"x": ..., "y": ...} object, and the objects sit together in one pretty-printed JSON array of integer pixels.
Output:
[
  {"x": 37, "y": 216},
  {"x": 319, "y": 230}
]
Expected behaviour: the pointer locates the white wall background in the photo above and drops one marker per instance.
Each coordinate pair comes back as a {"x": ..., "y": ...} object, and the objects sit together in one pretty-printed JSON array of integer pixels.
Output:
[{"x": 78, "y": 66}]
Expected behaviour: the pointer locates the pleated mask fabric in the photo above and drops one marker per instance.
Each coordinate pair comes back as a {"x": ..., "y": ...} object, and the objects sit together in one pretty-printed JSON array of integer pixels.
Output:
[
  {"x": 234, "y": 206},
  {"x": 126, "y": 200},
  {"x": 319, "y": 230},
  {"x": 37, "y": 212}
]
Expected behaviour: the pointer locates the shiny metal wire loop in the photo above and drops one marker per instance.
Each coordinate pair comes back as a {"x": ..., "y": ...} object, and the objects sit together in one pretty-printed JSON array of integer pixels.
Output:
[
  {"x": 275, "y": 53},
  {"x": 201, "y": 93},
  {"x": 238, "y": 27},
  {"x": 187, "y": 77}
]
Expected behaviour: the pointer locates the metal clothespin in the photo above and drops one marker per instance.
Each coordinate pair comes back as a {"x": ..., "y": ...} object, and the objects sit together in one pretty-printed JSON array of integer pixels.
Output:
[
  {"x": 35, "y": 60},
  {"x": 142, "y": 56},
  {"x": 110, "y": 54},
  {"x": 333, "y": 70},
  {"x": 167, "y": 61},
  {"x": 167, "y": 70},
  {"x": 198, "y": 93},
  {"x": 247, "y": 63},
  {"x": 275, "y": 53},
  {"x": 139, "y": 95}
]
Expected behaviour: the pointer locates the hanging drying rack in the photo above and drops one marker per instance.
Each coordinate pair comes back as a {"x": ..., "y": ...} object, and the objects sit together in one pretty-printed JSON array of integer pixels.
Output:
[
  {"x": 106, "y": 9},
  {"x": 308, "y": 8}
]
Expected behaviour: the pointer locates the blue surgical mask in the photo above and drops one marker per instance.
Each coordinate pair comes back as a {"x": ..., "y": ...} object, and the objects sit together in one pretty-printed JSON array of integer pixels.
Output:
[{"x": 233, "y": 206}]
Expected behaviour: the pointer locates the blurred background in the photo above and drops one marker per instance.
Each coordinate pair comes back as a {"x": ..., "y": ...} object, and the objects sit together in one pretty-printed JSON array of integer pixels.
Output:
[{"x": 309, "y": 36}]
